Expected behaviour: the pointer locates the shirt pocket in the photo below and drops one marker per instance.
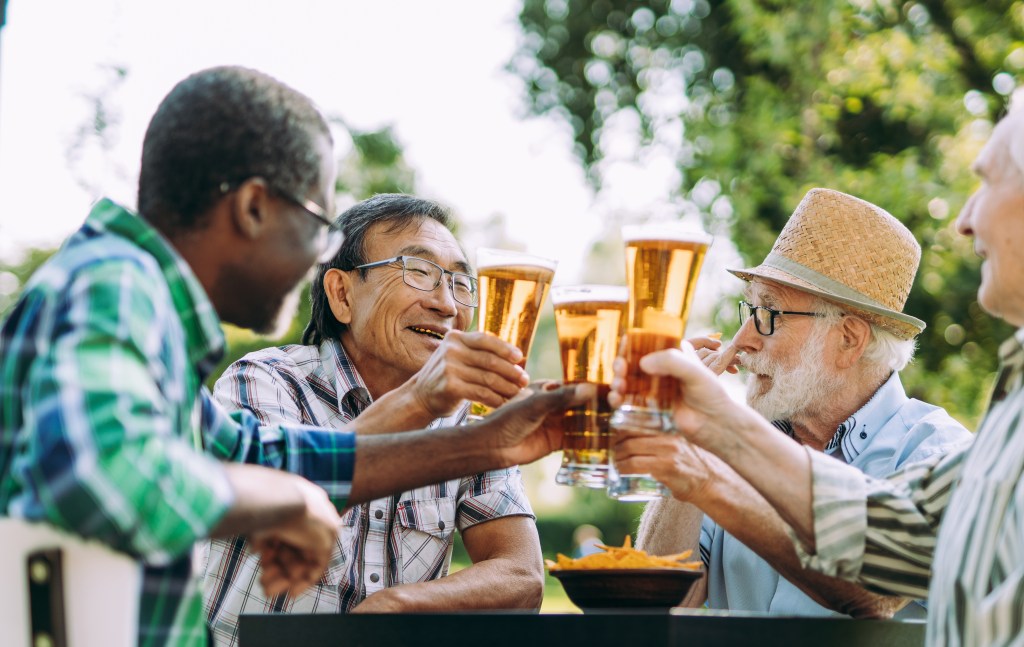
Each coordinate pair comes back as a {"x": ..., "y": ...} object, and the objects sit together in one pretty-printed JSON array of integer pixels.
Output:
[{"x": 426, "y": 531}]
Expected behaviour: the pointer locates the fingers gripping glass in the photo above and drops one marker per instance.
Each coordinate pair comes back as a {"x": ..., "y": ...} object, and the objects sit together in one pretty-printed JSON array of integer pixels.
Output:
[
  {"x": 424, "y": 275},
  {"x": 764, "y": 318}
]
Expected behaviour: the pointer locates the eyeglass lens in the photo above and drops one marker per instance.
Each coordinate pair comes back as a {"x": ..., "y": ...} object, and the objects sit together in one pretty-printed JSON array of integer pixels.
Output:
[{"x": 424, "y": 275}]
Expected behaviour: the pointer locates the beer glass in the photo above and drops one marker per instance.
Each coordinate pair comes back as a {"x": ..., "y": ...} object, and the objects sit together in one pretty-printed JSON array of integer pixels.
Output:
[
  {"x": 512, "y": 288},
  {"x": 590, "y": 320},
  {"x": 662, "y": 264}
]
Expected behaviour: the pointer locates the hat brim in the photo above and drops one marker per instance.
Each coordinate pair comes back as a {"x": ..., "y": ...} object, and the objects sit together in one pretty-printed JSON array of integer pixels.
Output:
[{"x": 902, "y": 325}]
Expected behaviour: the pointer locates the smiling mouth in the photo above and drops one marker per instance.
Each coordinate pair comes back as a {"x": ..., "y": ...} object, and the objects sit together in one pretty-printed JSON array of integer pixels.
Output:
[{"x": 424, "y": 331}]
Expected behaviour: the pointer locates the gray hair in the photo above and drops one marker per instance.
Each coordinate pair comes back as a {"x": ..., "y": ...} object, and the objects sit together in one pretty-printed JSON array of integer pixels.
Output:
[{"x": 885, "y": 350}]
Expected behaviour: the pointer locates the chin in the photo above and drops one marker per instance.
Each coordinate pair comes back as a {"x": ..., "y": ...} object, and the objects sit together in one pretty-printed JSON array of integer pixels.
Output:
[{"x": 280, "y": 321}]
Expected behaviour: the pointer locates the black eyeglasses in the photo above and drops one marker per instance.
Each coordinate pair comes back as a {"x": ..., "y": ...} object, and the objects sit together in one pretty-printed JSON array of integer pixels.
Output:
[
  {"x": 329, "y": 240},
  {"x": 764, "y": 318},
  {"x": 424, "y": 275}
]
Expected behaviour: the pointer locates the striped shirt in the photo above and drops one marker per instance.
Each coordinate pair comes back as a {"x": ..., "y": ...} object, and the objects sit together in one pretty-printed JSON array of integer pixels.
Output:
[
  {"x": 400, "y": 539},
  {"x": 963, "y": 512},
  {"x": 888, "y": 432},
  {"x": 101, "y": 407}
]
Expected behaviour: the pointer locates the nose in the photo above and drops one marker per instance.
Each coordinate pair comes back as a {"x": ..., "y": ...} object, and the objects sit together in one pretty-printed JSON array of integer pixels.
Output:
[
  {"x": 965, "y": 221},
  {"x": 441, "y": 299},
  {"x": 747, "y": 338}
]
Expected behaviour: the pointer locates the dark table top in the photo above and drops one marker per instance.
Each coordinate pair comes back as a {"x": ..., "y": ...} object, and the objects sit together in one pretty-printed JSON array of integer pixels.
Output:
[{"x": 621, "y": 629}]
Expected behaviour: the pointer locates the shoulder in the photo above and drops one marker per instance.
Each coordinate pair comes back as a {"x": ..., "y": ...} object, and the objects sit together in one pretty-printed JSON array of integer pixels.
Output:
[{"x": 930, "y": 430}]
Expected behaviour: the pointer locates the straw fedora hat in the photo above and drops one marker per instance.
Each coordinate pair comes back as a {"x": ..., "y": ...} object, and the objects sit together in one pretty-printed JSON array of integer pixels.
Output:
[{"x": 848, "y": 251}]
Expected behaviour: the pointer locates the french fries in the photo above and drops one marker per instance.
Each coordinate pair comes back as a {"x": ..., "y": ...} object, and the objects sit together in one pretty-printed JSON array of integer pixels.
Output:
[{"x": 622, "y": 557}]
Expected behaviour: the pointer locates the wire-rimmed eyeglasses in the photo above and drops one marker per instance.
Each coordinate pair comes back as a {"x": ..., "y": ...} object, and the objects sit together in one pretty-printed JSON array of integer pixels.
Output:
[
  {"x": 425, "y": 275},
  {"x": 764, "y": 317},
  {"x": 329, "y": 239}
]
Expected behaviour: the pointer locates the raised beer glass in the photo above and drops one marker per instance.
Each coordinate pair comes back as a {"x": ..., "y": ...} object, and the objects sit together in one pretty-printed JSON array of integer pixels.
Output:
[
  {"x": 512, "y": 288},
  {"x": 663, "y": 261},
  {"x": 590, "y": 320}
]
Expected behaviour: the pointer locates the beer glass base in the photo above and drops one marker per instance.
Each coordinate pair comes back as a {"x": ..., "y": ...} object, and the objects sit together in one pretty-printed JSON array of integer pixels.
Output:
[
  {"x": 470, "y": 417},
  {"x": 583, "y": 476},
  {"x": 636, "y": 487},
  {"x": 641, "y": 419}
]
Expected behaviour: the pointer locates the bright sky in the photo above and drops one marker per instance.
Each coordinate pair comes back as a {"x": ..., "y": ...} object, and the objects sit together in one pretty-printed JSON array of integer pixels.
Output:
[{"x": 434, "y": 71}]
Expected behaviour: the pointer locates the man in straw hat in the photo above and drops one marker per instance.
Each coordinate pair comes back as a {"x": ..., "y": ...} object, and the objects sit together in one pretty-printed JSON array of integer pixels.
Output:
[
  {"x": 823, "y": 337},
  {"x": 963, "y": 511}
]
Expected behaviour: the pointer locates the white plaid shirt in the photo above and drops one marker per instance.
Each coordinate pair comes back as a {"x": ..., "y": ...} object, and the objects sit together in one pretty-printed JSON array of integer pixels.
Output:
[{"x": 400, "y": 539}]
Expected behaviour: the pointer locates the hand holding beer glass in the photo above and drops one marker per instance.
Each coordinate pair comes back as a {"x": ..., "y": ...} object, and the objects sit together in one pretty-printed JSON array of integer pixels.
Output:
[
  {"x": 512, "y": 288},
  {"x": 662, "y": 265},
  {"x": 590, "y": 320}
]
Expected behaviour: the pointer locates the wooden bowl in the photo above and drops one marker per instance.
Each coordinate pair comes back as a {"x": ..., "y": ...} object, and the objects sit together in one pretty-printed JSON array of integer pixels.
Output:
[{"x": 627, "y": 588}]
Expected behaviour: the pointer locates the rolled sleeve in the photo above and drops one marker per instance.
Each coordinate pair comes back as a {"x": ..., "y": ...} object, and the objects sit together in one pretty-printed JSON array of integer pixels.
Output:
[
  {"x": 324, "y": 456},
  {"x": 839, "y": 506},
  {"x": 492, "y": 495}
]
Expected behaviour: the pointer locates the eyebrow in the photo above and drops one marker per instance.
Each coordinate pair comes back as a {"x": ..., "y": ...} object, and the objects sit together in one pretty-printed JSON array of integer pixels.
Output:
[{"x": 423, "y": 252}]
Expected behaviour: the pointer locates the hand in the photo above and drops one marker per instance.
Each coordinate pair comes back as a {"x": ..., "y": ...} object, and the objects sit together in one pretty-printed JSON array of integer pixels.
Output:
[
  {"x": 715, "y": 356},
  {"x": 530, "y": 425},
  {"x": 702, "y": 411},
  {"x": 686, "y": 470},
  {"x": 387, "y": 600},
  {"x": 468, "y": 366},
  {"x": 294, "y": 554}
]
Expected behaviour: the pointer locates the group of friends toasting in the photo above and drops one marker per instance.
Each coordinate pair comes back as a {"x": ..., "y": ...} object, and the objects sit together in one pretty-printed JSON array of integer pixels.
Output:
[{"x": 330, "y": 476}]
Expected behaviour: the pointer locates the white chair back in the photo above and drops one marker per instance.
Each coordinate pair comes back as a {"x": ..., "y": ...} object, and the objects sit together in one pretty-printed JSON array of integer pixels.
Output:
[{"x": 99, "y": 596}]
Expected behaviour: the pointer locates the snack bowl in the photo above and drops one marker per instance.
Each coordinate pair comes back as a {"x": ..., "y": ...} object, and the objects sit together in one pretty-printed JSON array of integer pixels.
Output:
[{"x": 626, "y": 588}]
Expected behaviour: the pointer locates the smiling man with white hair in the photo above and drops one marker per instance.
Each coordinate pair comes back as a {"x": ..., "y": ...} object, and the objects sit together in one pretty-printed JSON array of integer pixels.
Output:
[{"x": 823, "y": 337}]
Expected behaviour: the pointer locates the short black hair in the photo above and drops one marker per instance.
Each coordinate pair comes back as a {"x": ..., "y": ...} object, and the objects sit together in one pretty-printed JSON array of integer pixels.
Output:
[
  {"x": 225, "y": 124},
  {"x": 398, "y": 211}
]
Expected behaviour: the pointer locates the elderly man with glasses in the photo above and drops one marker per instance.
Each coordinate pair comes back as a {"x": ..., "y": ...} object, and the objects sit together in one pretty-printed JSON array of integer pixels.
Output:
[
  {"x": 387, "y": 339},
  {"x": 823, "y": 337}
]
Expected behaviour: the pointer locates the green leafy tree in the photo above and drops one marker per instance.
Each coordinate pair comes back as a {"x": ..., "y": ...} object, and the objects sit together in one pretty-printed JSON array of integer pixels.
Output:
[{"x": 761, "y": 100}]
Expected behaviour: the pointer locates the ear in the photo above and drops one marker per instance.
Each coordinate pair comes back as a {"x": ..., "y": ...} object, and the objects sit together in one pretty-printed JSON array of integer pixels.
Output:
[
  {"x": 250, "y": 208},
  {"x": 338, "y": 287},
  {"x": 855, "y": 333}
]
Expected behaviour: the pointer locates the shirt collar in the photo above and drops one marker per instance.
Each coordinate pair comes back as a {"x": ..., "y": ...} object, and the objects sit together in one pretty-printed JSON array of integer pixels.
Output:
[
  {"x": 1011, "y": 367},
  {"x": 856, "y": 432},
  {"x": 203, "y": 335},
  {"x": 353, "y": 396}
]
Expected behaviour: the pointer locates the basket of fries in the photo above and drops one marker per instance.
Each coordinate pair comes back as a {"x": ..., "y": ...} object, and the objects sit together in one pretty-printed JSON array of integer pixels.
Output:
[{"x": 623, "y": 577}]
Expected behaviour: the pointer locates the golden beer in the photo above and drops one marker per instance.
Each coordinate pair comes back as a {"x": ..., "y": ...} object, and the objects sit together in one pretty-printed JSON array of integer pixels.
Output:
[
  {"x": 662, "y": 276},
  {"x": 590, "y": 321},
  {"x": 512, "y": 288},
  {"x": 662, "y": 265}
]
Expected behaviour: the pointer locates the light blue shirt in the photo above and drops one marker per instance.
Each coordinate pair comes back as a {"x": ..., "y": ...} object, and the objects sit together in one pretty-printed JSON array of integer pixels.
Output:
[{"x": 891, "y": 430}]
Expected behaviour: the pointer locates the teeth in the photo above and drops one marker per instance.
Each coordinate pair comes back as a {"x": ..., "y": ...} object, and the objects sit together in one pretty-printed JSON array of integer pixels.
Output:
[{"x": 424, "y": 331}]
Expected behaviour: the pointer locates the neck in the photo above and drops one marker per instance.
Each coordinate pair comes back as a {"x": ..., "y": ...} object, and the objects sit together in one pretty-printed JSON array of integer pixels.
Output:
[
  {"x": 815, "y": 428},
  {"x": 379, "y": 380}
]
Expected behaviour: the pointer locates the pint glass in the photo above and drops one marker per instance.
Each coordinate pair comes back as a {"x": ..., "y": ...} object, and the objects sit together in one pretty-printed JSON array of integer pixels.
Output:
[
  {"x": 590, "y": 320},
  {"x": 662, "y": 265},
  {"x": 512, "y": 288}
]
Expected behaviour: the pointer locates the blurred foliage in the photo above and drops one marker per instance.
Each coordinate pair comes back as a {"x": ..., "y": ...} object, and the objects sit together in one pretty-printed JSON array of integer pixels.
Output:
[{"x": 762, "y": 100}]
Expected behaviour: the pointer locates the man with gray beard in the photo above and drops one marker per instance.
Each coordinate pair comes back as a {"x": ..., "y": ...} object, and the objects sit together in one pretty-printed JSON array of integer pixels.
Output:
[{"x": 823, "y": 336}]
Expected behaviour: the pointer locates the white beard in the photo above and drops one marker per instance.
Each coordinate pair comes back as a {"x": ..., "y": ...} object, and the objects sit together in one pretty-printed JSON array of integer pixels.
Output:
[{"x": 804, "y": 388}]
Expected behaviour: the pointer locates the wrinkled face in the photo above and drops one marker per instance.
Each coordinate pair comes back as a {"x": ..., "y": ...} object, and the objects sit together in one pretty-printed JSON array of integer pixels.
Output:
[
  {"x": 791, "y": 371},
  {"x": 394, "y": 328},
  {"x": 994, "y": 216}
]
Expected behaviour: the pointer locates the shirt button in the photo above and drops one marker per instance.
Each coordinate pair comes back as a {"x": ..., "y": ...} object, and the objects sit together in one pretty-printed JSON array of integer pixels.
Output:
[
  {"x": 863, "y": 434},
  {"x": 440, "y": 525},
  {"x": 374, "y": 578},
  {"x": 378, "y": 514}
]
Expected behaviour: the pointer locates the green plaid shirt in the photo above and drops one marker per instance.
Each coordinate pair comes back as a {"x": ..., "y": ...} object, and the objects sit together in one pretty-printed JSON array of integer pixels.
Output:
[{"x": 101, "y": 407}]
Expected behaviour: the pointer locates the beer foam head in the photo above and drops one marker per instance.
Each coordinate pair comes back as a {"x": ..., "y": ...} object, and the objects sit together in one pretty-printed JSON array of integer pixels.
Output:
[
  {"x": 487, "y": 257},
  {"x": 676, "y": 231},
  {"x": 587, "y": 293}
]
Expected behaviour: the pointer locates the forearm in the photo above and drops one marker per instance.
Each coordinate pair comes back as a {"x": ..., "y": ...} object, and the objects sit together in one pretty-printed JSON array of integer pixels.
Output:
[
  {"x": 492, "y": 584},
  {"x": 668, "y": 527},
  {"x": 262, "y": 498},
  {"x": 759, "y": 454},
  {"x": 397, "y": 410},
  {"x": 740, "y": 511}
]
